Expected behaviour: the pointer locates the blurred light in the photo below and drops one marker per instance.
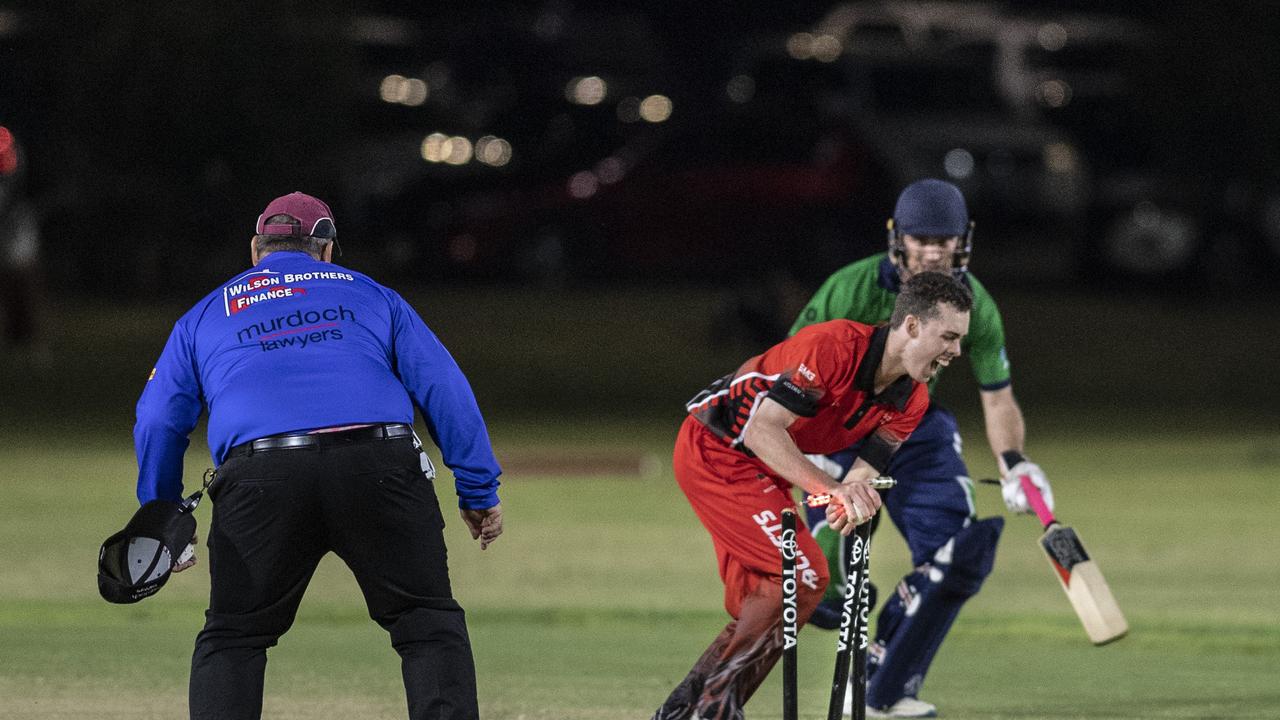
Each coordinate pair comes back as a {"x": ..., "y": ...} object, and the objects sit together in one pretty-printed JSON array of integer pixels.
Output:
[
  {"x": 1055, "y": 93},
  {"x": 456, "y": 150},
  {"x": 402, "y": 90},
  {"x": 826, "y": 48},
  {"x": 438, "y": 147},
  {"x": 8, "y": 22},
  {"x": 958, "y": 163},
  {"x": 586, "y": 90},
  {"x": 1060, "y": 158},
  {"x": 493, "y": 151},
  {"x": 415, "y": 92},
  {"x": 629, "y": 109},
  {"x": 610, "y": 170},
  {"x": 391, "y": 88},
  {"x": 1151, "y": 241},
  {"x": 655, "y": 108},
  {"x": 583, "y": 185},
  {"x": 1052, "y": 37},
  {"x": 8, "y": 152},
  {"x": 1146, "y": 215},
  {"x": 800, "y": 46},
  {"x": 433, "y": 147},
  {"x": 741, "y": 88}
]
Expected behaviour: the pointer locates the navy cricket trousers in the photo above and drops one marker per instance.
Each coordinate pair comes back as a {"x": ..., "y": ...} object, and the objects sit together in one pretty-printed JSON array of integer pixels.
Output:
[{"x": 276, "y": 513}]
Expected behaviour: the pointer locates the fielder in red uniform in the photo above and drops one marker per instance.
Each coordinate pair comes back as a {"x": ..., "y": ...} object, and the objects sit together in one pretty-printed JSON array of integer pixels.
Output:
[{"x": 742, "y": 448}]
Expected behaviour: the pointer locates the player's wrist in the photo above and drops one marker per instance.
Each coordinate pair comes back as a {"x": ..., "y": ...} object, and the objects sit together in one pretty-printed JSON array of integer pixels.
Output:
[
  {"x": 1011, "y": 459},
  {"x": 821, "y": 483}
]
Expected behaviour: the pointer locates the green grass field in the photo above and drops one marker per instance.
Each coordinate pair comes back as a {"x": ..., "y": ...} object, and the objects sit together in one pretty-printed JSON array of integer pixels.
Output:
[{"x": 603, "y": 590}]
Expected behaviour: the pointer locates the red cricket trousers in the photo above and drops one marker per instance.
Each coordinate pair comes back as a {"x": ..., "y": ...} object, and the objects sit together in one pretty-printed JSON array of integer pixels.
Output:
[{"x": 740, "y": 502}]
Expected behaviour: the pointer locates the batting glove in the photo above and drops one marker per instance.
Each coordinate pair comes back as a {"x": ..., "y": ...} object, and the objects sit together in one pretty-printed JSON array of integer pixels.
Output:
[{"x": 1015, "y": 498}]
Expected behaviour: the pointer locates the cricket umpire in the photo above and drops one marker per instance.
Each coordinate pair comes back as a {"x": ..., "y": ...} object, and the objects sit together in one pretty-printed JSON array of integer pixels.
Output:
[{"x": 310, "y": 373}]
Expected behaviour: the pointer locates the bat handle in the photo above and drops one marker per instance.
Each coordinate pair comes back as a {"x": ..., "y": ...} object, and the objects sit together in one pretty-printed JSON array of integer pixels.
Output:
[{"x": 1037, "y": 501}]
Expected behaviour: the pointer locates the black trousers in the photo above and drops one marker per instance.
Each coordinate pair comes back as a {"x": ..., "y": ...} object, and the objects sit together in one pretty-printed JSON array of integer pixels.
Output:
[{"x": 275, "y": 514}]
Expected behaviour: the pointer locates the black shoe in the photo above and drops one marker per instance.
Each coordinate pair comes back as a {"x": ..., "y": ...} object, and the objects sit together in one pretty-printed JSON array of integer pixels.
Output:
[{"x": 826, "y": 615}]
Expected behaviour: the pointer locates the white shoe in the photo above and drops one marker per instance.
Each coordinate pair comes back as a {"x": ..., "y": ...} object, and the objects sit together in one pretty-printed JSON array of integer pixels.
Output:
[{"x": 907, "y": 707}]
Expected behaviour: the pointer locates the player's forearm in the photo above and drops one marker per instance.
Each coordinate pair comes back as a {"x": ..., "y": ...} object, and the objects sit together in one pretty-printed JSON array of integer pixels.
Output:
[
  {"x": 160, "y": 452},
  {"x": 862, "y": 472},
  {"x": 1006, "y": 429},
  {"x": 774, "y": 447}
]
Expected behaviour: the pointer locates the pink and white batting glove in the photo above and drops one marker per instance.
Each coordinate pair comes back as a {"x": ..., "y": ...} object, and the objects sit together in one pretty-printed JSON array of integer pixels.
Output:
[{"x": 1015, "y": 498}]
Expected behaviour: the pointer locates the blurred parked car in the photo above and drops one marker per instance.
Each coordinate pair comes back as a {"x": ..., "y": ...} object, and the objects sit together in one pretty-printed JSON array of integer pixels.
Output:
[
  {"x": 1147, "y": 216},
  {"x": 926, "y": 95},
  {"x": 1117, "y": 201},
  {"x": 1156, "y": 213}
]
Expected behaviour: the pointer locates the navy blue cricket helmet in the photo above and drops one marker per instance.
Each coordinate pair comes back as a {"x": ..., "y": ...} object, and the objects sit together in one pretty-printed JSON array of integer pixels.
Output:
[{"x": 932, "y": 207}]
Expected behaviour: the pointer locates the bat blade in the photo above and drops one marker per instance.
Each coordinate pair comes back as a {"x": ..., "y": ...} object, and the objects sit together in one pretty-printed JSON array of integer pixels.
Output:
[{"x": 1081, "y": 579}]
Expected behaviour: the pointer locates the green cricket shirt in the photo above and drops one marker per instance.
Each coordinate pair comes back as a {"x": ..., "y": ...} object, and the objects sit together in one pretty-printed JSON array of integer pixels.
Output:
[{"x": 865, "y": 292}]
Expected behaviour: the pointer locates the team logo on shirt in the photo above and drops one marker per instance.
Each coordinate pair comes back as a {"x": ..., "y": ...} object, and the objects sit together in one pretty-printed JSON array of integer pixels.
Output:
[
  {"x": 806, "y": 372},
  {"x": 264, "y": 285},
  {"x": 299, "y": 328},
  {"x": 255, "y": 287}
]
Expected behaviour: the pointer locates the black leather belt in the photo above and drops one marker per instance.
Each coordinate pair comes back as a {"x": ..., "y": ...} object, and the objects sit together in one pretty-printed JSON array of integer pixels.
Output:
[{"x": 322, "y": 439}]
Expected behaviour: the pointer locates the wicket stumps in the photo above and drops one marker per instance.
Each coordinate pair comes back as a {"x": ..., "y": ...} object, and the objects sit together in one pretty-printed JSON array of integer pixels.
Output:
[
  {"x": 859, "y": 681},
  {"x": 790, "y": 615},
  {"x": 851, "y": 643}
]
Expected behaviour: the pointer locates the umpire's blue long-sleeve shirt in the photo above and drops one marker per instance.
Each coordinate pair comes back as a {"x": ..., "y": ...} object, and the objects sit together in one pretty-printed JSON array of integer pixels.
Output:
[{"x": 297, "y": 344}]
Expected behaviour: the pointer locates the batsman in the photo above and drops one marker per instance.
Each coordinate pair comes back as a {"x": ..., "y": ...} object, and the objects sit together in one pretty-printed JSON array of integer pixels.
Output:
[
  {"x": 742, "y": 448},
  {"x": 932, "y": 505}
]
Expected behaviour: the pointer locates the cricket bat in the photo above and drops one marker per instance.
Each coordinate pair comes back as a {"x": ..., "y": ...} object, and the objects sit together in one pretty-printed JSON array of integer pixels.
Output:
[{"x": 1079, "y": 574}]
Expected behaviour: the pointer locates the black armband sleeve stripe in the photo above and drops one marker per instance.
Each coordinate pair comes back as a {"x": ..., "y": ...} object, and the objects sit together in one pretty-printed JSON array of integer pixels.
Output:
[
  {"x": 876, "y": 451},
  {"x": 1012, "y": 457},
  {"x": 792, "y": 397}
]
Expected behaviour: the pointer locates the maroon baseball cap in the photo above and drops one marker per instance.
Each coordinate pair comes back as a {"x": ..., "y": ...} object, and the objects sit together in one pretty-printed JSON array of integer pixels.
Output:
[{"x": 314, "y": 217}]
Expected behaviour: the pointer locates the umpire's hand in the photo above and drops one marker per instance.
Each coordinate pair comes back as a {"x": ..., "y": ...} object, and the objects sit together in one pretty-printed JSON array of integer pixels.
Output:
[
  {"x": 191, "y": 561},
  {"x": 484, "y": 524}
]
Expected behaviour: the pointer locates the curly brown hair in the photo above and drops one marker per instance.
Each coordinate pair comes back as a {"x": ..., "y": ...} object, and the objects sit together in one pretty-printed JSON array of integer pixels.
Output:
[{"x": 921, "y": 295}]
